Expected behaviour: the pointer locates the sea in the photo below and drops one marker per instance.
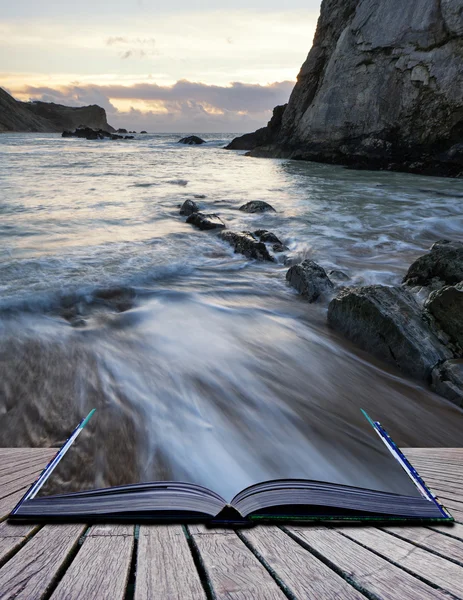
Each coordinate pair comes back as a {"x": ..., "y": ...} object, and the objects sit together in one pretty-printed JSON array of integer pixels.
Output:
[{"x": 202, "y": 365}]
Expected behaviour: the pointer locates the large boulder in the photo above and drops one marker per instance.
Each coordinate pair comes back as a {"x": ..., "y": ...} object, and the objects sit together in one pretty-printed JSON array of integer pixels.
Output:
[
  {"x": 188, "y": 208},
  {"x": 192, "y": 140},
  {"x": 309, "y": 279},
  {"x": 205, "y": 221},
  {"x": 447, "y": 380},
  {"x": 387, "y": 321},
  {"x": 381, "y": 88},
  {"x": 446, "y": 306},
  {"x": 443, "y": 265},
  {"x": 245, "y": 243},
  {"x": 256, "y": 206},
  {"x": 270, "y": 238}
]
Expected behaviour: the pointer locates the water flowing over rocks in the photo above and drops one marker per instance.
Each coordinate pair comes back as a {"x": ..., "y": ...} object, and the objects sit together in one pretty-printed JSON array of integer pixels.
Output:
[
  {"x": 189, "y": 207},
  {"x": 256, "y": 206},
  {"x": 388, "y": 322},
  {"x": 309, "y": 279},
  {"x": 245, "y": 243},
  {"x": 192, "y": 140},
  {"x": 205, "y": 221},
  {"x": 380, "y": 89}
]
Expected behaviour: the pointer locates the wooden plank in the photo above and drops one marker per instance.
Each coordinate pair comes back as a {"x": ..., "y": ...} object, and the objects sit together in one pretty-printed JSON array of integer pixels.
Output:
[
  {"x": 232, "y": 569},
  {"x": 298, "y": 570},
  {"x": 34, "y": 569},
  {"x": 111, "y": 530},
  {"x": 439, "y": 453},
  {"x": 455, "y": 530},
  {"x": 367, "y": 570},
  {"x": 449, "y": 487},
  {"x": 32, "y": 472},
  {"x": 429, "y": 539},
  {"x": 14, "y": 486},
  {"x": 101, "y": 567},
  {"x": 429, "y": 567},
  {"x": 9, "y": 502},
  {"x": 455, "y": 509},
  {"x": 199, "y": 529},
  {"x": 13, "y": 537},
  {"x": 39, "y": 463},
  {"x": 165, "y": 565}
]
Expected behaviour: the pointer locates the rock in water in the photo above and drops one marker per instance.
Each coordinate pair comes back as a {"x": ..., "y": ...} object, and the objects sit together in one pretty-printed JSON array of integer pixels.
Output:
[
  {"x": 267, "y": 236},
  {"x": 309, "y": 279},
  {"x": 189, "y": 207},
  {"x": 192, "y": 140},
  {"x": 446, "y": 306},
  {"x": 442, "y": 265},
  {"x": 387, "y": 322},
  {"x": 447, "y": 380},
  {"x": 205, "y": 221},
  {"x": 256, "y": 206},
  {"x": 381, "y": 88},
  {"x": 245, "y": 243},
  {"x": 339, "y": 275}
]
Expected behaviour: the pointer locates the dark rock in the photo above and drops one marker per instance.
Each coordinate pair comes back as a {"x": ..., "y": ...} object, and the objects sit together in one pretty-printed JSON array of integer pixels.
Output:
[
  {"x": 376, "y": 96},
  {"x": 443, "y": 263},
  {"x": 256, "y": 206},
  {"x": 267, "y": 236},
  {"x": 339, "y": 275},
  {"x": 205, "y": 221},
  {"x": 446, "y": 306},
  {"x": 191, "y": 140},
  {"x": 200, "y": 196},
  {"x": 143, "y": 132},
  {"x": 309, "y": 279},
  {"x": 128, "y": 137},
  {"x": 387, "y": 322},
  {"x": 91, "y": 134},
  {"x": 280, "y": 248},
  {"x": 447, "y": 380},
  {"x": 188, "y": 208},
  {"x": 262, "y": 136},
  {"x": 122, "y": 130},
  {"x": 245, "y": 243},
  {"x": 48, "y": 116}
]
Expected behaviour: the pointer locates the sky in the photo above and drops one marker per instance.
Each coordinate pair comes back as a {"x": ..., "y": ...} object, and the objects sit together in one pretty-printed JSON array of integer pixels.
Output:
[{"x": 161, "y": 66}]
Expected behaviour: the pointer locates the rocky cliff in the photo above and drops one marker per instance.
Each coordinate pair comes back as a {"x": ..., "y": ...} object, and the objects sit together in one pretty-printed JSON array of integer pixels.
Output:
[
  {"x": 381, "y": 88},
  {"x": 48, "y": 117}
]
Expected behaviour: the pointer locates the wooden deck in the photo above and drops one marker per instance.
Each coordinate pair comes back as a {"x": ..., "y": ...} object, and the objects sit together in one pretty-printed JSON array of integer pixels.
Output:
[{"x": 174, "y": 562}]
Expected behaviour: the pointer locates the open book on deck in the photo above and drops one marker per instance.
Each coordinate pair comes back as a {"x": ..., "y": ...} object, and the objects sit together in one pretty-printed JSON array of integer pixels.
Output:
[{"x": 278, "y": 500}]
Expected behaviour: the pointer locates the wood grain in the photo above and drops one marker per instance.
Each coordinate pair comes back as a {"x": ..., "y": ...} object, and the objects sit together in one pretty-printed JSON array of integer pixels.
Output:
[
  {"x": 369, "y": 571},
  {"x": 32, "y": 571},
  {"x": 430, "y": 540},
  {"x": 100, "y": 570},
  {"x": 9, "y": 502},
  {"x": 431, "y": 568},
  {"x": 233, "y": 570},
  {"x": 165, "y": 565},
  {"x": 455, "y": 530},
  {"x": 299, "y": 571}
]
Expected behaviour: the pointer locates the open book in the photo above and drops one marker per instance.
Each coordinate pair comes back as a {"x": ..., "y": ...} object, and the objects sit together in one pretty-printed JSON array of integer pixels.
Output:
[{"x": 278, "y": 500}]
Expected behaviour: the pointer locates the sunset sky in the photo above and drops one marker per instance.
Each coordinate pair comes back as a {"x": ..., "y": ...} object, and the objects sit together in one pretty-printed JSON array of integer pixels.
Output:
[{"x": 178, "y": 66}]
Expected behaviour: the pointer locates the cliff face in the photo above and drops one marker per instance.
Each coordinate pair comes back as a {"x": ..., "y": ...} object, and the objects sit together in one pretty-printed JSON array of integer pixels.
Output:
[
  {"x": 47, "y": 117},
  {"x": 381, "y": 87}
]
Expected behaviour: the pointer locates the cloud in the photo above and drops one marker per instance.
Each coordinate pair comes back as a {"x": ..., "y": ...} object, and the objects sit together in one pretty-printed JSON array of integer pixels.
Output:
[
  {"x": 133, "y": 47},
  {"x": 183, "y": 106}
]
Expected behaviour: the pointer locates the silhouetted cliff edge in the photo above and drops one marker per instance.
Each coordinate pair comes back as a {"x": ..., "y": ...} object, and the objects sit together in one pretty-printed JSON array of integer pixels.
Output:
[
  {"x": 47, "y": 116},
  {"x": 381, "y": 88}
]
